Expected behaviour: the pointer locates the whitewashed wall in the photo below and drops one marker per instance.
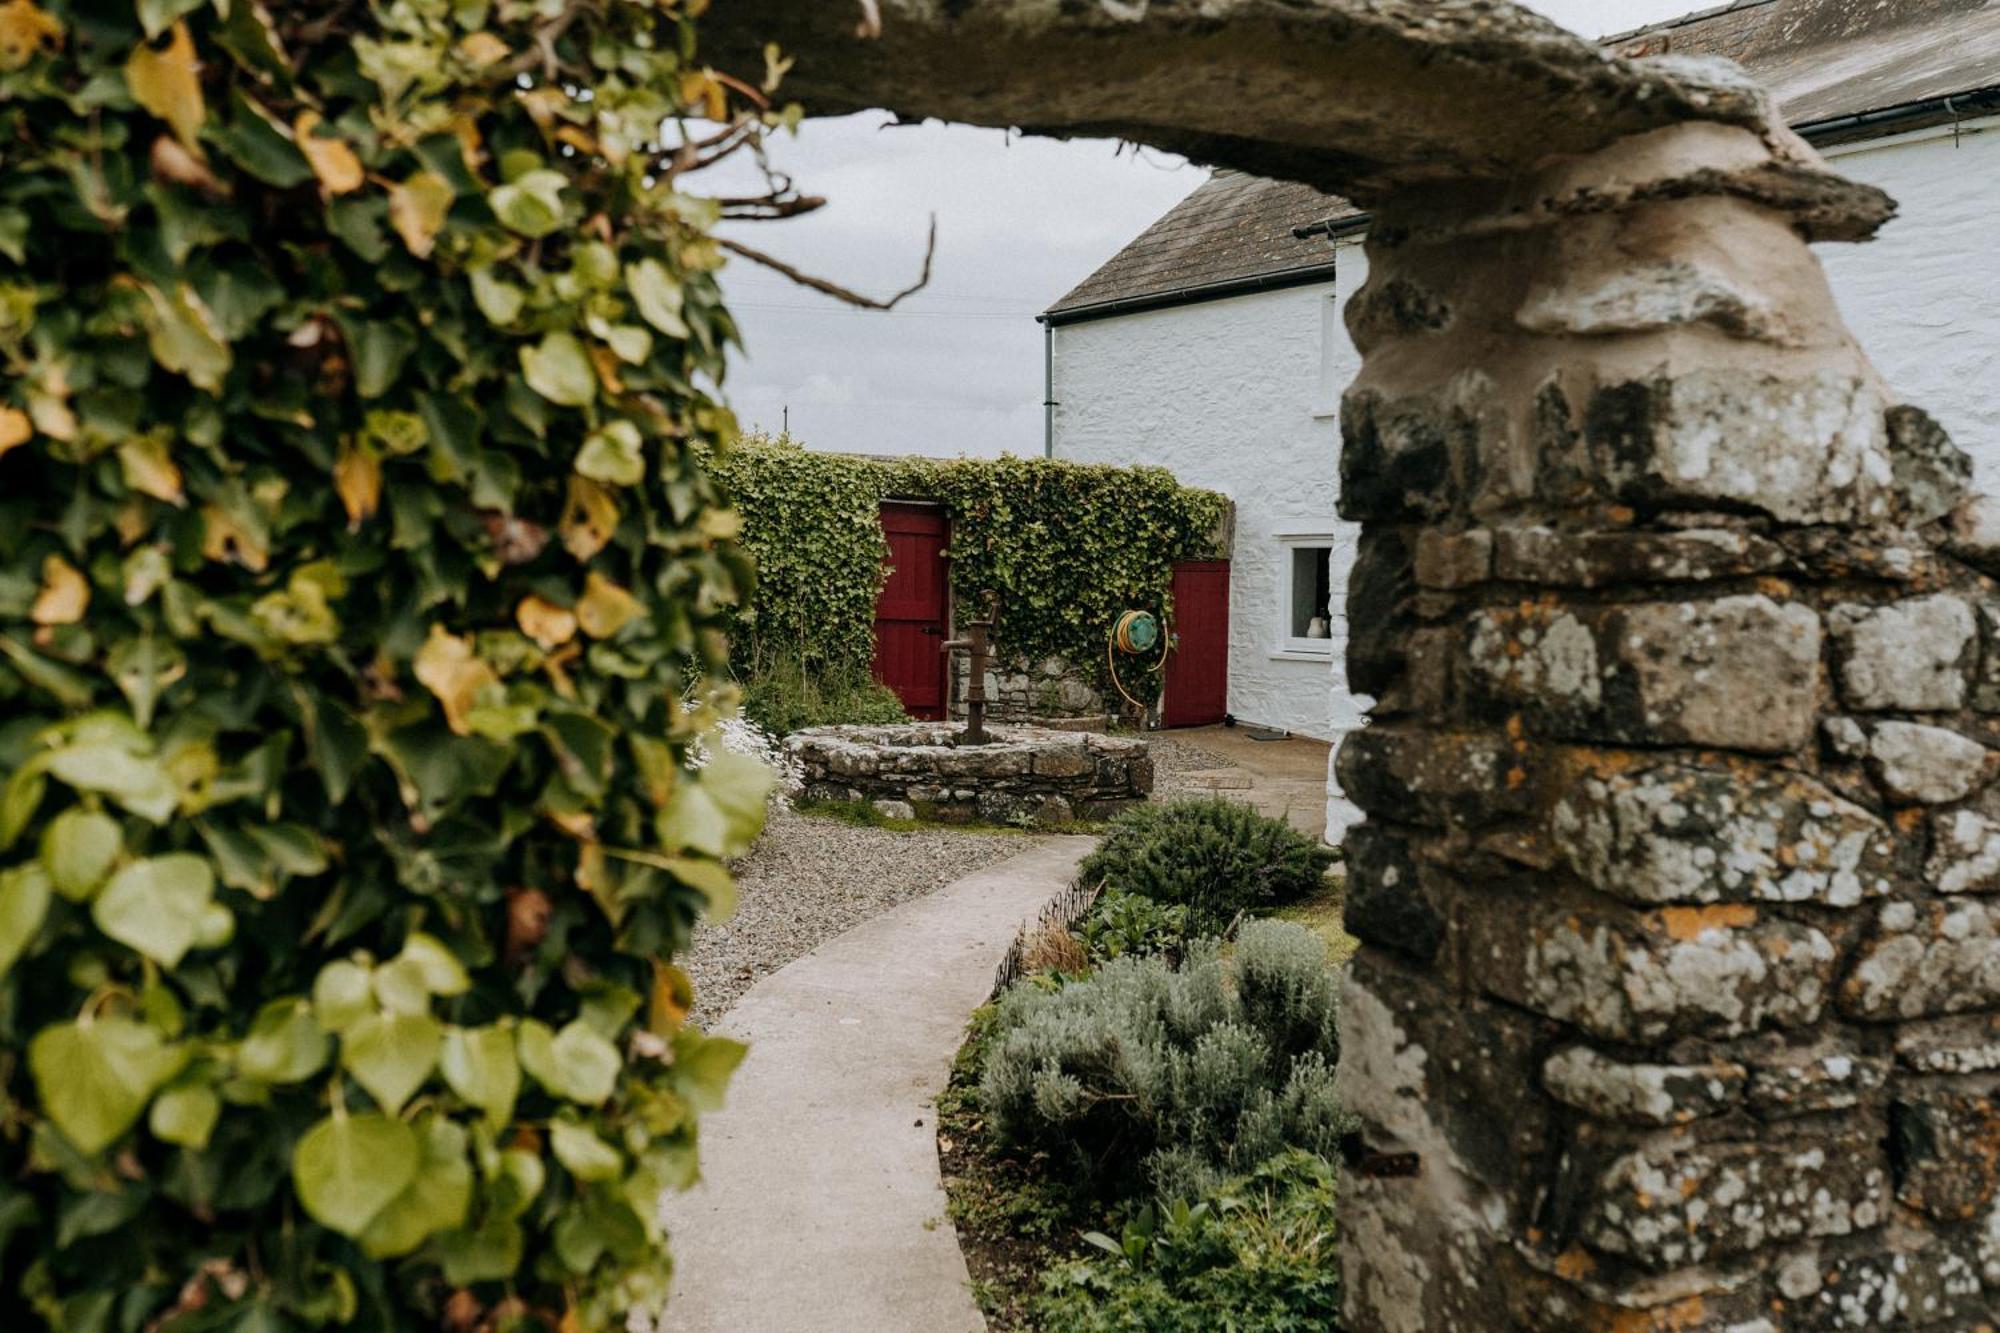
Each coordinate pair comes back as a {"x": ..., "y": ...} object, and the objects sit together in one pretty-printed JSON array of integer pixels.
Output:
[
  {"x": 1238, "y": 394},
  {"x": 1232, "y": 395}
]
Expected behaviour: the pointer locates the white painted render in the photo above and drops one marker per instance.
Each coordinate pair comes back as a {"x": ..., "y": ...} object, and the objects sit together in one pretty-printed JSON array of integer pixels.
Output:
[{"x": 1239, "y": 394}]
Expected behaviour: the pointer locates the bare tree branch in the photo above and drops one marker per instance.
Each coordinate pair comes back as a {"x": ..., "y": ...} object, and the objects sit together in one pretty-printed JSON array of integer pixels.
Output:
[{"x": 834, "y": 290}]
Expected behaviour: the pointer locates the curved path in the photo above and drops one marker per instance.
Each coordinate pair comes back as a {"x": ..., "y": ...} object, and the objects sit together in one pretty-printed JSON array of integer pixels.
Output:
[{"x": 821, "y": 1210}]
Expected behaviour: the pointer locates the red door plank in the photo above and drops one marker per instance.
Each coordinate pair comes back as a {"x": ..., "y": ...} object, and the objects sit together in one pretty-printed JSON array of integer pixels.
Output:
[
  {"x": 1197, "y": 675},
  {"x": 911, "y": 612}
]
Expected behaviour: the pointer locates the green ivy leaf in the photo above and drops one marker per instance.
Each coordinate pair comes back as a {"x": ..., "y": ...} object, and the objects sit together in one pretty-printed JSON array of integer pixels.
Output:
[
  {"x": 391, "y": 1054},
  {"x": 437, "y": 1200},
  {"x": 136, "y": 781},
  {"x": 439, "y": 968},
  {"x": 94, "y": 1078},
  {"x": 284, "y": 1045},
  {"x": 500, "y": 301},
  {"x": 614, "y": 455},
  {"x": 721, "y": 812},
  {"x": 79, "y": 847},
  {"x": 348, "y": 1168},
  {"x": 343, "y": 995},
  {"x": 582, "y": 1153},
  {"x": 156, "y": 906},
  {"x": 481, "y": 1066},
  {"x": 575, "y": 1063},
  {"x": 702, "y": 1066},
  {"x": 24, "y": 905},
  {"x": 657, "y": 295},
  {"x": 185, "y": 1115},
  {"x": 531, "y": 203},
  {"x": 559, "y": 370}
]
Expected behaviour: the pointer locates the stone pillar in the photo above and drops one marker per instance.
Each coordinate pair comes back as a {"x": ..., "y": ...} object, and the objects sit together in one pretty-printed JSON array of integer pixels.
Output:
[{"x": 1676, "y": 1006}]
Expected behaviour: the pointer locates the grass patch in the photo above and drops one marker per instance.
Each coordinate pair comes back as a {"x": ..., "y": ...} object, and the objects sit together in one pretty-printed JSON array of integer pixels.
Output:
[{"x": 1322, "y": 913}]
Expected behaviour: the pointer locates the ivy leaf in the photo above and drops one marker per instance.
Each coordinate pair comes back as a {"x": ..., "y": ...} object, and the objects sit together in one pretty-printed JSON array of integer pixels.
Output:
[
  {"x": 155, "y": 16},
  {"x": 549, "y": 625},
  {"x": 417, "y": 209},
  {"x": 481, "y": 1066},
  {"x": 185, "y": 1114},
  {"x": 439, "y": 968},
  {"x": 582, "y": 1153},
  {"x": 531, "y": 203},
  {"x": 589, "y": 518},
  {"x": 184, "y": 336},
  {"x": 24, "y": 905},
  {"x": 338, "y": 169},
  {"x": 446, "y": 666},
  {"x": 64, "y": 595},
  {"x": 136, "y": 781},
  {"x": 605, "y": 608},
  {"x": 437, "y": 1200},
  {"x": 15, "y": 429},
  {"x": 95, "y": 1078},
  {"x": 285, "y": 1044},
  {"x": 357, "y": 479},
  {"x": 348, "y": 1168},
  {"x": 498, "y": 300},
  {"x": 25, "y": 32},
  {"x": 721, "y": 811},
  {"x": 391, "y": 1054},
  {"x": 657, "y": 295},
  {"x": 79, "y": 847},
  {"x": 702, "y": 1066},
  {"x": 156, "y": 906},
  {"x": 255, "y": 140},
  {"x": 559, "y": 370},
  {"x": 342, "y": 995},
  {"x": 168, "y": 84},
  {"x": 150, "y": 470},
  {"x": 614, "y": 455},
  {"x": 575, "y": 1063}
]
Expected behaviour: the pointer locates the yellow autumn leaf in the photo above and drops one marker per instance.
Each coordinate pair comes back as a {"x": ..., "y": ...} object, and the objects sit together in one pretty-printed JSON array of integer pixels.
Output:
[
  {"x": 64, "y": 596},
  {"x": 168, "y": 84},
  {"x": 149, "y": 470},
  {"x": 417, "y": 209},
  {"x": 223, "y": 539},
  {"x": 547, "y": 624},
  {"x": 25, "y": 32},
  {"x": 338, "y": 169},
  {"x": 357, "y": 476},
  {"x": 605, "y": 608},
  {"x": 15, "y": 429},
  {"x": 589, "y": 517},
  {"x": 446, "y": 666},
  {"x": 482, "y": 49},
  {"x": 672, "y": 999}
]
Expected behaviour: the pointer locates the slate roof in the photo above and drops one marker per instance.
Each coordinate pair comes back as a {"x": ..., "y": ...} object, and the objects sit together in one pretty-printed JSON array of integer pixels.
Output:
[{"x": 1840, "y": 69}]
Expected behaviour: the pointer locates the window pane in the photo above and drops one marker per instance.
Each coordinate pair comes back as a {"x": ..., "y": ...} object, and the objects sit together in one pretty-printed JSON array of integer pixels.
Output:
[{"x": 1312, "y": 583}]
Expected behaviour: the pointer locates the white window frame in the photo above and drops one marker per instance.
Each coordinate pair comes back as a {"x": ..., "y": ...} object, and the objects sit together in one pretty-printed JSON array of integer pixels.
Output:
[{"x": 1291, "y": 648}]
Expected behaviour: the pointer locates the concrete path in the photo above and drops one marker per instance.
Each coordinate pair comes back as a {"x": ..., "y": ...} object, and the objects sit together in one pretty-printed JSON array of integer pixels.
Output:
[
  {"x": 1285, "y": 778},
  {"x": 821, "y": 1210}
]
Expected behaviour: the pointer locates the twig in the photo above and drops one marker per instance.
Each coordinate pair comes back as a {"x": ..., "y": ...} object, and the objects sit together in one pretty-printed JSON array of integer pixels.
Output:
[
  {"x": 770, "y": 207},
  {"x": 834, "y": 290}
]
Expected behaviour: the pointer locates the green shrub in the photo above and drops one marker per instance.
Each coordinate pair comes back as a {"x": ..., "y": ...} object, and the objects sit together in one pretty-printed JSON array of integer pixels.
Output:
[
  {"x": 1181, "y": 1073},
  {"x": 1121, "y": 923},
  {"x": 1255, "y": 1255},
  {"x": 786, "y": 695},
  {"x": 1217, "y": 857},
  {"x": 355, "y": 550}
]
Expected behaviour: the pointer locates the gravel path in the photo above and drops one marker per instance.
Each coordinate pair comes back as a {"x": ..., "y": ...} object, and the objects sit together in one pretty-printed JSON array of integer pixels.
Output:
[{"x": 811, "y": 879}]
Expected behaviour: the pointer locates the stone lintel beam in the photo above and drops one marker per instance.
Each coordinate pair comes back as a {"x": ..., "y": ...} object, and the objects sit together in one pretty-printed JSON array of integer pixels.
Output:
[{"x": 1363, "y": 98}]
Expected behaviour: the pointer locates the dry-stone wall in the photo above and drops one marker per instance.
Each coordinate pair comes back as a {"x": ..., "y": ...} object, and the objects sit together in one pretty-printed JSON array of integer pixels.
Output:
[
  {"x": 1027, "y": 774},
  {"x": 1679, "y": 1006}
]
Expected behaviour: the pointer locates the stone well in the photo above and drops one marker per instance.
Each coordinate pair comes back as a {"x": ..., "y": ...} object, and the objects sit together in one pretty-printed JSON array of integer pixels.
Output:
[{"x": 920, "y": 771}]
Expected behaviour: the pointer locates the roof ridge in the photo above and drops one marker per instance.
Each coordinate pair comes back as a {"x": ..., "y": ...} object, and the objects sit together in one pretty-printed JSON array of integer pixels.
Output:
[{"x": 1685, "y": 20}]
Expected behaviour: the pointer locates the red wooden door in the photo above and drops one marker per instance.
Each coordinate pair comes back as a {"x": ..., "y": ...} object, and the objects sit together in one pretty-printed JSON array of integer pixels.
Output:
[
  {"x": 910, "y": 614},
  {"x": 1197, "y": 677}
]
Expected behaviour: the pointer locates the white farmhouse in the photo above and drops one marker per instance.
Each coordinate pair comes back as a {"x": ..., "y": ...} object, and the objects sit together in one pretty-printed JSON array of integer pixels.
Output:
[{"x": 1213, "y": 344}]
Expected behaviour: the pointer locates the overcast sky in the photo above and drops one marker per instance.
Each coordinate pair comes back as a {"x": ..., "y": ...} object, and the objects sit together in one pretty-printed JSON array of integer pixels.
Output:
[{"x": 956, "y": 369}]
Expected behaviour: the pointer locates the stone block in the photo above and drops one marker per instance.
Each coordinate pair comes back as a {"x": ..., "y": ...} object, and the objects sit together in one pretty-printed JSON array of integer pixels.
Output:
[
  {"x": 1966, "y": 1045},
  {"x": 1910, "y": 655},
  {"x": 1805, "y": 450},
  {"x": 1417, "y": 775},
  {"x": 1396, "y": 457},
  {"x": 1681, "y": 834},
  {"x": 1812, "y": 1080},
  {"x": 1381, "y": 609},
  {"x": 1986, "y": 679},
  {"x": 1946, "y": 1147},
  {"x": 1593, "y": 560},
  {"x": 1587, "y": 300},
  {"x": 1642, "y": 1093},
  {"x": 1386, "y": 902},
  {"x": 1973, "y": 534},
  {"x": 1669, "y": 1205},
  {"x": 1454, "y": 559},
  {"x": 1924, "y": 765},
  {"x": 1065, "y": 762},
  {"x": 1932, "y": 474},
  {"x": 1965, "y": 853},
  {"x": 1926, "y": 960},
  {"x": 1917, "y": 1283},
  {"x": 1626, "y": 976}
]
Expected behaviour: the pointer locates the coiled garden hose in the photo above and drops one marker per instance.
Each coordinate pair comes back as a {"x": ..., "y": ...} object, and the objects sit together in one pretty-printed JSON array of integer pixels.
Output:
[{"x": 1133, "y": 633}]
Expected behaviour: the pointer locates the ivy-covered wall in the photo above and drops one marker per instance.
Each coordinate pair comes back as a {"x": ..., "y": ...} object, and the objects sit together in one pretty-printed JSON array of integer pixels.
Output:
[{"x": 1067, "y": 546}]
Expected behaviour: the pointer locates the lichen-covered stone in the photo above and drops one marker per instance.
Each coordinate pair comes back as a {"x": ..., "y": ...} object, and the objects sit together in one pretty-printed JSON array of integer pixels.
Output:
[
  {"x": 1680, "y": 834},
  {"x": 1592, "y": 560},
  {"x": 1639, "y": 298},
  {"x": 1806, "y": 450},
  {"x": 1811, "y": 1080},
  {"x": 1667, "y": 1206},
  {"x": 1969, "y": 1044},
  {"x": 1651, "y": 1094},
  {"x": 1925, "y": 960},
  {"x": 1925, "y": 765},
  {"x": 1965, "y": 853},
  {"x": 1914, "y": 1283},
  {"x": 1386, "y": 903},
  {"x": 1454, "y": 559},
  {"x": 1717, "y": 972},
  {"x": 1946, "y": 1143},
  {"x": 1973, "y": 534},
  {"x": 1434, "y": 777},
  {"x": 1933, "y": 475},
  {"x": 1904, "y": 655}
]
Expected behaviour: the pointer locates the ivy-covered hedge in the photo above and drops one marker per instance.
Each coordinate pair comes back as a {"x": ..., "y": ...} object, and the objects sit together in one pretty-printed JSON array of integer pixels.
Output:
[
  {"x": 355, "y": 553},
  {"x": 1067, "y": 546}
]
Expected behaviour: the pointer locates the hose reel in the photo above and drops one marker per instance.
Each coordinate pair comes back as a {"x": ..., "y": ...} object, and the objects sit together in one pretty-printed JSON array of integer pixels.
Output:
[{"x": 1134, "y": 634}]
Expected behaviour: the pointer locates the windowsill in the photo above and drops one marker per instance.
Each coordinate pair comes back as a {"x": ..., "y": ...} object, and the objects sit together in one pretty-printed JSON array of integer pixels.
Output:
[{"x": 1297, "y": 652}]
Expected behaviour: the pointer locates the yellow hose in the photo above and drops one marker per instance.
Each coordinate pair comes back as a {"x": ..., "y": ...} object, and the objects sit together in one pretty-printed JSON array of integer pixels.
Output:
[{"x": 1120, "y": 640}]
